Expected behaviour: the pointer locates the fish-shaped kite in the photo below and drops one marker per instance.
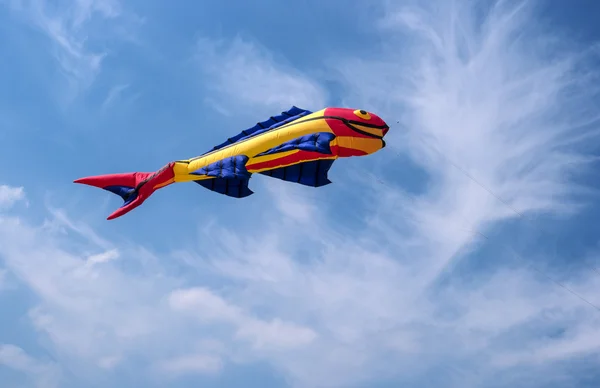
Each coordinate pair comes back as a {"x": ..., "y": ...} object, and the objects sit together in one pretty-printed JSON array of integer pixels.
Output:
[{"x": 296, "y": 146}]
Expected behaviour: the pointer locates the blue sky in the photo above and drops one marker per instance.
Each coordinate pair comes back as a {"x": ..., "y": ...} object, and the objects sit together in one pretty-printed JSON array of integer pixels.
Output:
[{"x": 382, "y": 279}]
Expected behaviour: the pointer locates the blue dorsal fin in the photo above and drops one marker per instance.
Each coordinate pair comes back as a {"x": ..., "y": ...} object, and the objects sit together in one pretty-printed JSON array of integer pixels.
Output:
[{"x": 273, "y": 122}]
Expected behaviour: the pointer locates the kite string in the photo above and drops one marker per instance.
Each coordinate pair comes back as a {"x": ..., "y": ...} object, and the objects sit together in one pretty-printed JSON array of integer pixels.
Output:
[
  {"x": 505, "y": 246},
  {"x": 492, "y": 193},
  {"x": 515, "y": 253},
  {"x": 500, "y": 199}
]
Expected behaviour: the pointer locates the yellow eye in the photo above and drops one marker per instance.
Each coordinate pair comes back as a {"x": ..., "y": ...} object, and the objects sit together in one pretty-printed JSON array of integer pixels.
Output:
[{"x": 362, "y": 114}]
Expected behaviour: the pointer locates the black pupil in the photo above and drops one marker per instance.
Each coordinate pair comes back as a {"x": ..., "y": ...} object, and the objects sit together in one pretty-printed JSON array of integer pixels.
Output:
[{"x": 362, "y": 112}]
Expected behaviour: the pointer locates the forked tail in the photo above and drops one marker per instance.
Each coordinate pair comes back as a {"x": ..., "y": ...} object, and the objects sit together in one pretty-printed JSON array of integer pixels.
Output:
[{"x": 133, "y": 187}]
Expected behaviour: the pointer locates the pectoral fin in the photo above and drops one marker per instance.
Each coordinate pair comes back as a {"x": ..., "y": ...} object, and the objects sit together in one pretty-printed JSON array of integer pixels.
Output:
[{"x": 227, "y": 176}]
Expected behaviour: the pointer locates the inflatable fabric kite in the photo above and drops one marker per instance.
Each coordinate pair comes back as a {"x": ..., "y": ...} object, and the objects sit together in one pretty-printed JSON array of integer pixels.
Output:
[{"x": 296, "y": 146}]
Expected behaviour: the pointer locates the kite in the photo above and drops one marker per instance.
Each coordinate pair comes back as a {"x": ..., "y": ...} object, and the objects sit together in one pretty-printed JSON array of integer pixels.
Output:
[{"x": 296, "y": 146}]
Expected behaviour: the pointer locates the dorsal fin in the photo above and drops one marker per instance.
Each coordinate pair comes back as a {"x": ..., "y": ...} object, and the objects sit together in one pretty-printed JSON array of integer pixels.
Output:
[{"x": 273, "y": 122}]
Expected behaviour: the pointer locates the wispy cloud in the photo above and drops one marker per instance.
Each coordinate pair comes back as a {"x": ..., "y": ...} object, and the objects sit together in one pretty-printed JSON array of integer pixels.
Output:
[
  {"x": 353, "y": 306},
  {"x": 113, "y": 94},
  {"x": 240, "y": 72},
  {"x": 45, "y": 375},
  {"x": 192, "y": 364},
  {"x": 205, "y": 306},
  {"x": 86, "y": 295},
  {"x": 68, "y": 25},
  {"x": 57, "y": 268},
  {"x": 10, "y": 195}
]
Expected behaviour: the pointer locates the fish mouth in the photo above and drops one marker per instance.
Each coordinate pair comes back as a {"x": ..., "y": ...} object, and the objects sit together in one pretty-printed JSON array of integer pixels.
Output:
[{"x": 353, "y": 125}]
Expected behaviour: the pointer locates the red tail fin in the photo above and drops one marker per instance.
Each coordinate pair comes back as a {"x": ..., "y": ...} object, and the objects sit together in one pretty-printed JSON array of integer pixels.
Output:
[{"x": 133, "y": 187}]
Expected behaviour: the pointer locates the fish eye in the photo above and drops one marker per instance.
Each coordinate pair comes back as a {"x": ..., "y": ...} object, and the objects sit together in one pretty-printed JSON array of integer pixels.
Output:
[{"x": 362, "y": 114}]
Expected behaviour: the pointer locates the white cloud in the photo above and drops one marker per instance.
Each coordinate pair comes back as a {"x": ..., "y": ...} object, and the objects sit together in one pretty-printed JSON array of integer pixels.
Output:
[
  {"x": 10, "y": 195},
  {"x": 104, "y": 257},
  {"x": 70, "y": 26},
  {"x": 377, "y": 311},
  {"x": 243, "y": 73},
  {"x": 97, "y": 316},
  {"x": 360, "y": 311},
  {"x": 93, "y": 314},
  {"x": 197, "y": 363},
  {"x": 204, "y": 304},
  {"x": 208, "y": 307},
  {"x": 114, "y": 94},
  {"x": 45, "y": 375},
  {"x": 291, "y": 201}
]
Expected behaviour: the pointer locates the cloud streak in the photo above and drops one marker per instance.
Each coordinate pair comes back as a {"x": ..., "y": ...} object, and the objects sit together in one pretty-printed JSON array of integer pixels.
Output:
[
  {"x": 70, "y": 27},
  {"x": 242, "y": 73},
  {"x": 44, "y": 375},
  {"x": 208, "y": 307},
  {"x": 9, "y": 196}
]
